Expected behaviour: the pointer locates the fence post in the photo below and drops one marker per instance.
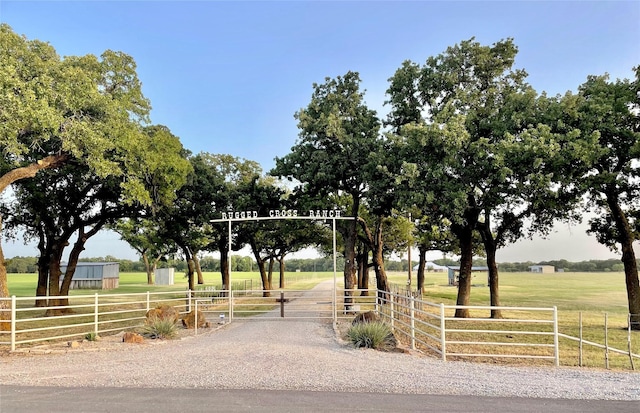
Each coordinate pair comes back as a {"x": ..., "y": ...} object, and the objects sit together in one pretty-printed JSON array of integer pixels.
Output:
[
  {"x": 606, "y": 340},
  {"x": 633, "y": 367},
  {"x": 189, "y": 301},
  {"x": 281, "y": 304},
  {"x": 230, "y": 295},
  {"x": 148, "y": 301},
  {"x": 391, "y": 309},
  {"x": 556, "y": 342},
  {"x": 196, "y": 319},
  {"x": 413, "y": 322},
  {"x": 443, "y": 339},
  {"x": 580, "y": 342},
  {"x": 96, "y": 315},
  {"x": 13, "y": 323}
]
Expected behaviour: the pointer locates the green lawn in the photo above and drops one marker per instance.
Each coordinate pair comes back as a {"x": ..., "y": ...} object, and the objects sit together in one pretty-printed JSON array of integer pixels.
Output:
[
  {"x": 593, "y": 292},
  {"x": 24, "y": 285}
]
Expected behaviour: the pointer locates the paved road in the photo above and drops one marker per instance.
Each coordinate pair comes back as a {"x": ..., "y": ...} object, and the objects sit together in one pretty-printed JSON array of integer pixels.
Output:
[{"x": 137, "y": 400}]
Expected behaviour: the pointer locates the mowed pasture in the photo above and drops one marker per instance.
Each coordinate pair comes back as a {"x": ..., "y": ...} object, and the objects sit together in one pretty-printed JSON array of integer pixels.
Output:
[{"x": 597, "y": 298}]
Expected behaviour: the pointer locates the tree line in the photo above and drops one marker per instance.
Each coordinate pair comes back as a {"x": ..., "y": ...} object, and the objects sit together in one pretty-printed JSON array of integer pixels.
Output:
[
  {"x": 29, "y": 265},
  {"x": 469, "y": 158}
]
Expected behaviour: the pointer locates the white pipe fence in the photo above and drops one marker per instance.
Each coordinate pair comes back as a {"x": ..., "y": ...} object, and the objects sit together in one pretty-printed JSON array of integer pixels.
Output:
[{"x": 524, "y": 333}]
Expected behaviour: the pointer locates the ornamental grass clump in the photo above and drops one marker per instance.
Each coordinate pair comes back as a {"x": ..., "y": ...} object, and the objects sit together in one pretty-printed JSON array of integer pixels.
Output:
[
  {"x": 374, "y": 334},
  {"x": 160, "y": 328}
]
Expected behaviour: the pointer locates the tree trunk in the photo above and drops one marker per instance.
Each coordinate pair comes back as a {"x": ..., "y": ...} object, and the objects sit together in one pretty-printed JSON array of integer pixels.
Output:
[
  {"x": 191, "y": 268},
  {"x": 349, "y": 268},
  {"x": 43, "y": 277},
  {"x": 196, "y": 261},
  {"x": 263, "y": 277},
  {"x": 147, "y": 266},
  {"x": 74, "y": 256},
  {"x": 350, "y": 255},
  {"x": 270, "y": 274},
  {"x": 490, "y": 250},
  {"x": 465, "y": 236},
  {"x": 363, "y": 270},
  {"x": 376, "y": 244},
  {"x": 5, "y": 305},
  {"x": 7, "y": 179},
  {"x": 421, "y": 267},
  {"x": 224, "y": 267},
  {"x": 188, "y": 256},
  {"x": 281, "y": 261},
  {"x": 43, "y": 271},
  {"x": 378, "y": 261},
  {"x": 360, "y": 265},
  {"x": 54, "y": 288},
  {"x": 628, "y": 260}
]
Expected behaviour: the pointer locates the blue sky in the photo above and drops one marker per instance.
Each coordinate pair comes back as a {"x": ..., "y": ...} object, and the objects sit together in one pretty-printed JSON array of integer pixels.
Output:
[{"x": 227, "y": 77}]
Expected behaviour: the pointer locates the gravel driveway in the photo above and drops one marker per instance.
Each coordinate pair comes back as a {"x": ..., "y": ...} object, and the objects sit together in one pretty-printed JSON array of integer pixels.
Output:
[{"x": 300, "y": 355}]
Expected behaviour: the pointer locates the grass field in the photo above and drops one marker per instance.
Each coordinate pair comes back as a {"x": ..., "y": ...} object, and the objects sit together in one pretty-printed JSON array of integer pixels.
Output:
[{"x": 590, "y": 296}]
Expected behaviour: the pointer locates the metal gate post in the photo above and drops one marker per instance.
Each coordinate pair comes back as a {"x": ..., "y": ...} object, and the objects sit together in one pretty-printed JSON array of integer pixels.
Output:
[
  {"x": 556, "y": 342},
  {"x": 443, "y": 339},
  {"x": 281, "y": 304},
  {"x": 413, "y": 322},
  {"x": 13, "y": 323},
  {"x": 96, "y": 315}
]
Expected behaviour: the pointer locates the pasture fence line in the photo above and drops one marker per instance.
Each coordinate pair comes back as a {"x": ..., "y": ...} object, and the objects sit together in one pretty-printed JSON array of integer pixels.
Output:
[
  {"x": 432, "y": 327},
  {"x": 86, "y": 314},
  {"x": 523, "y": 333}
]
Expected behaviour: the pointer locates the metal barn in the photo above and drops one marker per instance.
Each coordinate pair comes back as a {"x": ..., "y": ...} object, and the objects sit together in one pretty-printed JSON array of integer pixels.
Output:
[{"x": 95, "y": 275}]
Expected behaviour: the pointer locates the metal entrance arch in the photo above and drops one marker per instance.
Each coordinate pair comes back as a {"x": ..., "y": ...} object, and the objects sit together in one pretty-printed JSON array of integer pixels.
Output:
[{"x": 232, "y": 219}]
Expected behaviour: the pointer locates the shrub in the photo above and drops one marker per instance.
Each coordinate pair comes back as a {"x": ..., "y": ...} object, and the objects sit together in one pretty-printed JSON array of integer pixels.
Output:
[
  {"x": 91, "y": 336},
  {"x": 160, "y": 328},
  {"x": 375, "y": 334}
]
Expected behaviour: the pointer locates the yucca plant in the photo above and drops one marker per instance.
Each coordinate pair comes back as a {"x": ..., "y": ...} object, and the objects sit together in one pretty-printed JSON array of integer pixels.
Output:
[
  {"x": 160, "y": 328},
  {"x": 374, "y": 334}
]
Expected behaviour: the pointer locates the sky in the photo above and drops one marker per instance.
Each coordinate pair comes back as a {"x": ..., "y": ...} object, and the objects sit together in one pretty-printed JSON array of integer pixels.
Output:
[{"x": 228, "y": 77}]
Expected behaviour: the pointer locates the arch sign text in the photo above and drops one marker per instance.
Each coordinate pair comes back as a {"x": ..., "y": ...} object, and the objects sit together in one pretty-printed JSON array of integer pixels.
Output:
[{"x": 285, "y": 213}]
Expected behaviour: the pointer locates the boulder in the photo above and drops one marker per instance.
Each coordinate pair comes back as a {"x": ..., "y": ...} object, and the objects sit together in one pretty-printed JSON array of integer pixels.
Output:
[
  {"x": 188, "y": 321},
  {"x": 129, "y": 337},
  {"x": 162, "y": 312},
  {"x": 366, "y": 317}
]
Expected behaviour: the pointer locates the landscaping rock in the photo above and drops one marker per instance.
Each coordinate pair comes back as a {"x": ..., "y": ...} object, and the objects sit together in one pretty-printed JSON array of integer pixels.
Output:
[
  {"x": 188, "y": 321},
  {"x": 367, "y": 317},
  {"x": 163, "y": 312},
  {"x": 132, "y": 338}
]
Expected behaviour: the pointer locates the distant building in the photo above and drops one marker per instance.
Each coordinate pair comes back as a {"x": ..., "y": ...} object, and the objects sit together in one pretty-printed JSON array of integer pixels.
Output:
[
  {"x": 94, "y": 275},
  {"x": 542, "y": 269},
  {"x": 432, "y": 266},
  {"x": 164, "y": 276},
  {"x": 454, "y": 273}
]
